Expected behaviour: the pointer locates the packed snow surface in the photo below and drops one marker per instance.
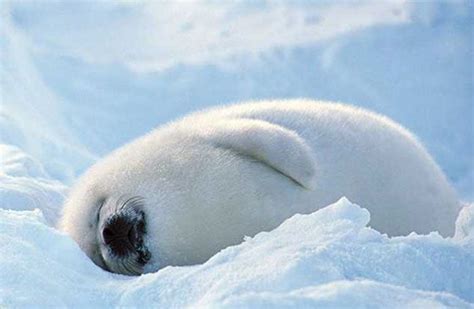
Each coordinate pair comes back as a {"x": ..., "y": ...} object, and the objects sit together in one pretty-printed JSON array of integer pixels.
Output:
[{"x": 327, "y": 258}]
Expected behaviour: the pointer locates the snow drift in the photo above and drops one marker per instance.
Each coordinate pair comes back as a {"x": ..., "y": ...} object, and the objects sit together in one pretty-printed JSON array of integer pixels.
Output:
[{"x": 328, "y": 258}]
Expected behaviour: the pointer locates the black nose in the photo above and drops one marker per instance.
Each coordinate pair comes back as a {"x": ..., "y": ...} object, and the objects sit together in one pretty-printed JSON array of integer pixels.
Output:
[{"x": 120, "y": 235}]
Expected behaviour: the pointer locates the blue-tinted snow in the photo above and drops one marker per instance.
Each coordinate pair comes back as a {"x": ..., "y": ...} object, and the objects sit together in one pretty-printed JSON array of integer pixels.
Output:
[
  {"x": 328, "y": 258},
  {"x": 79, "y": 79}
]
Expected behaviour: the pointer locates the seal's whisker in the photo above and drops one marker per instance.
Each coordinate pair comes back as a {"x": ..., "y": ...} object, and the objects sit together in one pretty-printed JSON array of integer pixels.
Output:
[
  {"x": 133, "y": 201},
  {"x": 125, "y": 266},
  {"x": 131, "y": 267}
]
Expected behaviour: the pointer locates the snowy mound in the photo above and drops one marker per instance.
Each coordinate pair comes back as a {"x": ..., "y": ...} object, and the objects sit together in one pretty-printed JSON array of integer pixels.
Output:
[
  {"x": 328, "y": 258},
  {"x": 24, "y": 185}
]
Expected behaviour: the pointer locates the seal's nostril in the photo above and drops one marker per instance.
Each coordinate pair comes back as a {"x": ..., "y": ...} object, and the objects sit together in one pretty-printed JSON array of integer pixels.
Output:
[{"x": 108, "y": 235}]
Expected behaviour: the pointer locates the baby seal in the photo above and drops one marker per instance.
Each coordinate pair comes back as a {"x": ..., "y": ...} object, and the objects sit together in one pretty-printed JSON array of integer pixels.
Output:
[{"x": 192, "y": 187}]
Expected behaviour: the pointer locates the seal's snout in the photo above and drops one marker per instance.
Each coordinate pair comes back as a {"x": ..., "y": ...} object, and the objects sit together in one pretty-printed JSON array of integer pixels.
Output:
[{"x": 120, "y": 235}]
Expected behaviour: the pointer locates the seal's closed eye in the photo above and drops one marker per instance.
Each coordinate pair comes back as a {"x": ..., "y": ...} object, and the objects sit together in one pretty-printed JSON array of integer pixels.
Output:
[{"x": 101, "y": 203}]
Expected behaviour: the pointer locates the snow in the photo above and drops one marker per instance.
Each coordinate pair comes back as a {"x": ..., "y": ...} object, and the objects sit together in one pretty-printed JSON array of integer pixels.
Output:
[
  {"x": 79, "y": 79},
  {"x": 24, "y": 184},
  {"x": 70, "y": 95},
  {"x": 328, "y": 258}
]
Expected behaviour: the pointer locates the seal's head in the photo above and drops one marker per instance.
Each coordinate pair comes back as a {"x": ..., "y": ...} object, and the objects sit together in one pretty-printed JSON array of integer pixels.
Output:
[{"x": 114, "y": 237}]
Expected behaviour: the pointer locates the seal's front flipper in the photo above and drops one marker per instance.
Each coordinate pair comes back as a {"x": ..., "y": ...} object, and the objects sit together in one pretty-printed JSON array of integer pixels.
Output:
[{"x": 280, "y": 148}]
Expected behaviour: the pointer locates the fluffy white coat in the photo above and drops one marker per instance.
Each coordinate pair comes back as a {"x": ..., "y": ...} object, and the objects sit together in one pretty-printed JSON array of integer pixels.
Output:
[{"x": 214, "y": 177}]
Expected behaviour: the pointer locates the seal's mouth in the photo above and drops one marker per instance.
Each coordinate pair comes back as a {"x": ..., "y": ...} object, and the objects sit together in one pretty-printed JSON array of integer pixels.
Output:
[{"x": 122, "y": 236}]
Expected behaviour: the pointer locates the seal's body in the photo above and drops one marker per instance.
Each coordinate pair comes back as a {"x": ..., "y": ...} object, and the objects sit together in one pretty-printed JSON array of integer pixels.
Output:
[{"x": 204, "y": 182}]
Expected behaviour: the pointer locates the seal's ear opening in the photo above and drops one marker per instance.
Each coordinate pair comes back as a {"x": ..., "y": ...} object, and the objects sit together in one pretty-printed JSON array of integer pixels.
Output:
[{"x": 280, "y": 148}]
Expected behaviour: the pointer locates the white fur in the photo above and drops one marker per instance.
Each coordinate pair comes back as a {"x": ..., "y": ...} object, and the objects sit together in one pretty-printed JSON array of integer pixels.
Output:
[{"x": 213, "y": 177}]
